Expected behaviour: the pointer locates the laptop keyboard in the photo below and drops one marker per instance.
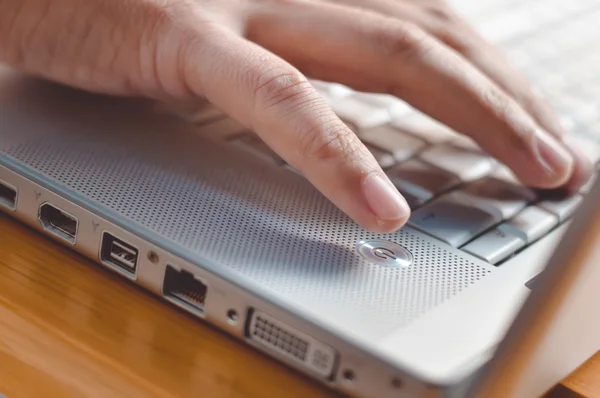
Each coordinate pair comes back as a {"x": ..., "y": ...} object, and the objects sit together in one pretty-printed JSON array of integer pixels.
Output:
[{"x": 458, "y": 194}]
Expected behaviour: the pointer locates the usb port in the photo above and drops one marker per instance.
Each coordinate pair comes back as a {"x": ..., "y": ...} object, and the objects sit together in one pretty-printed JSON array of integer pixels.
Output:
[
  {"x": 58, "y": 222},
  {"x": 118, "y": 254},
  {"x": 8, "y": 196},
  {"x": 183, "y": 289}
]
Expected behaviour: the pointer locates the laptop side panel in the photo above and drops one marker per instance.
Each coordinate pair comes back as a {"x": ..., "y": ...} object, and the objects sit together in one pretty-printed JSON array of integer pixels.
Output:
[
  {"x": 558, "y": 328},
  {"x": 330, "y": 360}
]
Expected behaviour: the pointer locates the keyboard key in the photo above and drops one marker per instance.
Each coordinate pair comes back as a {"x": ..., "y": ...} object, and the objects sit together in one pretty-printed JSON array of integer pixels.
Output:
[
  {"x": 494, "y": 246},
  {"x": 414, "y": 198},
  {"x": 453, "y": 219},
  {"x": 505, "y": 174},
  {"x": 421, "y": 181},
  {"x": 252, "y": 143},
  {"x": 359, "y": 113},
  {"x": 563, "y": 208},
  {"x": 468, "y": 165},
  {"x": 530, "y": 224},
  {"x": 395, "y": 106},
  {"x": 401, "y": 145},
  {"x": 424, "y": 127},
  {"x": 464, "y": 142},
  {"x": 384, "y": 158},
  {"x": 499, "y": 197},
  {"x": 331, "y": 91}
]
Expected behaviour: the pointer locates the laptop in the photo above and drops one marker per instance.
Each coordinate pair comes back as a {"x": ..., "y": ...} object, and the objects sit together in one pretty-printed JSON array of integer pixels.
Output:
[{"x": 195, "y": 209}]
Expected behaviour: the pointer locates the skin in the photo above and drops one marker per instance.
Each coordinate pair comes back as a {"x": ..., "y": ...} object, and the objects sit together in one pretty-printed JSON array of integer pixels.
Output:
[{"x": 252, "y": 58}]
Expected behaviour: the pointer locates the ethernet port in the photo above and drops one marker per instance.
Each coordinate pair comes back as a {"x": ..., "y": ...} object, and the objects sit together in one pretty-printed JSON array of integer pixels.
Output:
[
  {"x": 118, "y": 254},
  {"x": 182, "y": 288},
  {"x": 58, "y": 222},
  {"x": 8, "y": 196}
]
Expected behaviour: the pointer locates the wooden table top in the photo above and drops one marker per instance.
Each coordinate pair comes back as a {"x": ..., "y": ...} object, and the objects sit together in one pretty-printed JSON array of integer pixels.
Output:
[{"x": 69, "y": 328}]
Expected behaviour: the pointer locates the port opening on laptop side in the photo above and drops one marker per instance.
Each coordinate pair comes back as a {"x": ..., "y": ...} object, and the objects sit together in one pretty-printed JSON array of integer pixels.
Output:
[
  {"x": 277, "y": 338},
  {"x": 8, "y": 196},
  {"x": 185, "y": 290},
  {"x": 58, "y": 222},
  {"x": 119, "y": 255}
]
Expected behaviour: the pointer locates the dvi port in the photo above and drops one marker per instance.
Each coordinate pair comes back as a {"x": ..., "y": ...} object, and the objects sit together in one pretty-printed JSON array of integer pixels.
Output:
[{"x": 280, "y": 338}]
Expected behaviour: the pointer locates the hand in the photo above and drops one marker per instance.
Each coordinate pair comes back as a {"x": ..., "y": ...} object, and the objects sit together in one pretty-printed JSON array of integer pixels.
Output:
[{"x": 239, "y": 55}]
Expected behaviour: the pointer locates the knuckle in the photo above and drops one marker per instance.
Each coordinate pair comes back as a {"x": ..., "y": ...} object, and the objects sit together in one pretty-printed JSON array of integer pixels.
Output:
[
  {"x": 404, "y": 40},
  {"x": 333, "y": 142},
  {"x": 497, "y": 101},
  {"x": 281, "y": 87}
]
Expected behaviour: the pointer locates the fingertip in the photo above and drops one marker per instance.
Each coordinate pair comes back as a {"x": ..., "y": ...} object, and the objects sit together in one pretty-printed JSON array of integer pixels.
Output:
[
  {"x": 378, "y": 226},
  {"x": 383, "y": 198},
  {"x": 389, "y": 209},
  {"x": 583, "y": 169},
  {"x": 554, "y": 158}
]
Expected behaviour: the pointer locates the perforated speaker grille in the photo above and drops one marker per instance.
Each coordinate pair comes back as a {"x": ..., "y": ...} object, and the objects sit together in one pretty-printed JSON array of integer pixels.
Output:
[{"x": 270, "y": 226}]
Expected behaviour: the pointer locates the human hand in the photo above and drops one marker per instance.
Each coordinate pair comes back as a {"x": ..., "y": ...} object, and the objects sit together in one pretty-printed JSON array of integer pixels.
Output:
[{"x": 250, "y": 58}]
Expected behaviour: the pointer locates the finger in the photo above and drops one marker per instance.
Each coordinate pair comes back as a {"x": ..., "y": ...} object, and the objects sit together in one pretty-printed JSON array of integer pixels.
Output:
[
  {"x": 439, "y": 20},
  {"x": 281, "y": 106},
  {"x": 374, "y": 53}
]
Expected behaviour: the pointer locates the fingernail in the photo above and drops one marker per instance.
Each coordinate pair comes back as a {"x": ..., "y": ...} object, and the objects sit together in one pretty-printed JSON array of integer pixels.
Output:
[
  {"x": 553, "y": 156},
  {"x": 384, "y": 199}
]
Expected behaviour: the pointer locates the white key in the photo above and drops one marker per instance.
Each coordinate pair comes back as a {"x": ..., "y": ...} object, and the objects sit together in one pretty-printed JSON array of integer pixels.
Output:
[
  {"x": 384, "y": 158},
  {"x": 530, "y": 224},
  {"x": 468, "y": 165},
  {"x": 359, "y": 113},
  {"x": 421, "y": 181},
  {"x": 412, "y": 197},
  {"x": 424, "y": 127},
  {"x": 252, "y": 143},
  {"x": 499, "y": 197},
  {"x": 401, "y": 145},
  {"x": 563, "y": 208},
  {"x": 505, "y": 174},
  {"x": 494, "y": 246},
  {"x": 395, "y": 106},
  {"x": 453, "y": 219},
  {"x": 331, "y": 91}
]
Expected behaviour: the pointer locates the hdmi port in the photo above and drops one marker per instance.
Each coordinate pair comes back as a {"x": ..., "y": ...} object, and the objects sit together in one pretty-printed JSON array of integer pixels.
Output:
[{"x": 58, "y": 222}]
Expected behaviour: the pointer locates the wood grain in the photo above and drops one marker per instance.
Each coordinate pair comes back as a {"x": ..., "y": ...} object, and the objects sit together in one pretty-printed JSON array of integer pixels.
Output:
[{"x": 71, "y": 329}]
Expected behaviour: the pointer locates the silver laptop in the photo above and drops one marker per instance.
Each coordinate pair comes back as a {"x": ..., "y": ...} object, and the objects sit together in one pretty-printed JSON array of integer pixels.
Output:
[{"x": 197, "y": 210}]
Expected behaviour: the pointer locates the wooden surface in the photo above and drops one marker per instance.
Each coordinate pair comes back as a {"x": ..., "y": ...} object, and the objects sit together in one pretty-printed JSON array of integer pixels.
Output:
[{"x": 71, "y": 329}]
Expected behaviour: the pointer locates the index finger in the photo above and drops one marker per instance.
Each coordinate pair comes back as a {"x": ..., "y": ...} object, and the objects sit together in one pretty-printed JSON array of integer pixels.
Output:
[{"x": 282, "y": 107}]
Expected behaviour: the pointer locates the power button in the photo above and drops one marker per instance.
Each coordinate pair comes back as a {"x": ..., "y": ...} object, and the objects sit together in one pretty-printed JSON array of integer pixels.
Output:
[{"x": 385, "y": 253}]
